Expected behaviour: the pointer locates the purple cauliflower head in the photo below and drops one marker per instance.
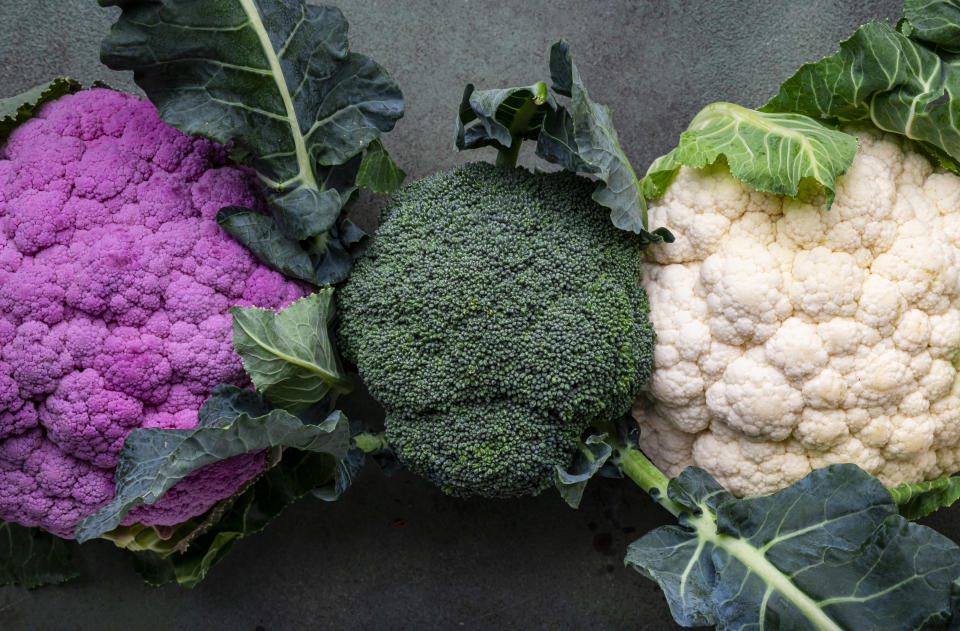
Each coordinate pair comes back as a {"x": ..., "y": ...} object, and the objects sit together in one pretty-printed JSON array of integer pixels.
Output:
[{"x": 115, "y": 281}]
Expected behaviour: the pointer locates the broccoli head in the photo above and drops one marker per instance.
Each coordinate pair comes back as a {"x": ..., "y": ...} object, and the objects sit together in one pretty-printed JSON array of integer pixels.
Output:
[{"x": 497, "y": 314}]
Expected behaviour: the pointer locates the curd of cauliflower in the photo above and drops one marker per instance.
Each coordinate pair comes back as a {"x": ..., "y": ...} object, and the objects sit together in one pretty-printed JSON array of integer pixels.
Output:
[{"x": 791, "y": 337}]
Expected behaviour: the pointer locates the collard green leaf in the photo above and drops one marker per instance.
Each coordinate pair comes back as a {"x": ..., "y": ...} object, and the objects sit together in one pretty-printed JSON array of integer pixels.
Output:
[
  {"x": 936, "y": 22},
  {"x": 770, "y": 151},
  {"x": 828, "y": 552},
  {"x": 233, "y": 421},
  {"x": 275, "y": 78},
  {"x": 922, "y": 498},
  {"x": 289, "y": 354},
  {"x": 378, "y": 172},
  {"x": 886, "y": 78},
  {"x": 31, "y": 557},
  {"x": 297, "y": 473},
  {"x": 15, "y": 110},
  {"x": 590, "y": 458}
]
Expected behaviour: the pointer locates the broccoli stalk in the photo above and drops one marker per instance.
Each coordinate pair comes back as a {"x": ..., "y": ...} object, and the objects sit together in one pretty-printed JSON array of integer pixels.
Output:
[{"x": 529, "y": 113}]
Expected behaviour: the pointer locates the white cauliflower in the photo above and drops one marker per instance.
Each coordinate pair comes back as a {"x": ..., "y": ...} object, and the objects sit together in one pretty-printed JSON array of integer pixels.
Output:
[{"x": 790, "y": 337}]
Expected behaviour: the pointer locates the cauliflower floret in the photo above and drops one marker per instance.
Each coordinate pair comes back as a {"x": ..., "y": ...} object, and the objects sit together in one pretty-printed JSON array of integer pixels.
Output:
[
  {"x": 115, "y": 281},
  {"x": 814, "y": 336}
]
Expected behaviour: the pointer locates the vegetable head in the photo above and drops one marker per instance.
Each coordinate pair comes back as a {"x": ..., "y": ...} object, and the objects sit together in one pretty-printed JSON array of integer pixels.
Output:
[
  {"x": 115, "y": 281},
  {"x": 790, "y": 337},
  {"x": 496, "y": 315}
]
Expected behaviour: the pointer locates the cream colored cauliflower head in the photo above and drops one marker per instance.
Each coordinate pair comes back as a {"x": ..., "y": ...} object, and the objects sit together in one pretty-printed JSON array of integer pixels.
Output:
[{"x": 790, "y": 337}]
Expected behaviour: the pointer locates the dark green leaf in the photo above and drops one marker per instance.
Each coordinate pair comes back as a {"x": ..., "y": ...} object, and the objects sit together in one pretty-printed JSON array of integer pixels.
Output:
[
  {"x": 829, "y": 552},
  {"x": 31, "y": 557},
  {"x": 261, "y": 235},
  {"x": 922, "y": 498},
  {"x": 581, "y": 139},
  {"x": 599, "y": 147},
  {"x": 771, "y": 152},
  {"x": 232, "y": 422},
  {"x": 277, "y": 80},
  {"x": 885, "y": 78},
  {"x": 297, "y": 473},
  {"x": 378, "y": 172},
  {"x": 501, "y": 117},
  {"x": 934, "y": 21},
  {"x": 320, "y": 260},
  {"x": 288, "y": 353},
  {"x": 590, "y": 458},
  {"x": 15, "y": 110}
]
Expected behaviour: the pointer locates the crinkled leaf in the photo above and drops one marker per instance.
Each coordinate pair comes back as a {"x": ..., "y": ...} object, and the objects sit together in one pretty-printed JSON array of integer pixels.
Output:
[
  {"x": 15, "y": 110},
  {"x": 297, "y": 473},
  {"x": 31, "y": 557},
  {"x": 289, "y": 354},
  {"x": 770, "y": 151},
  {"x": 501, "y": 117},
  {"x": 232, "y": 422},
  {"x": 378, "y": 171},
  {"x": 275, "y": 78},
  {"x": 828, "y": 552},
  {"x": 893, "y": 81},
  {"x": 934, "y": 21},
  {"x": 922, "y": 498},
  {"x": 588, "y": 461}
]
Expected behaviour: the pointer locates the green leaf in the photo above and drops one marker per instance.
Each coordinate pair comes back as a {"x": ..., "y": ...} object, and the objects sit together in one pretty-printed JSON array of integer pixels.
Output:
[
  {"x": 261, "y": 235},
  {"x": 275, "y": 78},
  {"x": 828, "y": 552},
  {"x": 501, "y": 117},
  {"x": 581, "y": 139},
  {"x": 771, "y": 152},
  {"x": 297, "y": 473},
  {"x": 590, "y": 458},
  {"x": 15, "y": 110},
  {"x": 233, "y": 421},
  {"x": 31, "y": 557},
  {"x": 378, "y": 172},
  {"x": 289, "y": 354},
  {"x": 888, "y": 79},
  {"x": 598, "y": 145},
  {"x": 922, "y": 498},
  {"x": 934, "y": 21}
]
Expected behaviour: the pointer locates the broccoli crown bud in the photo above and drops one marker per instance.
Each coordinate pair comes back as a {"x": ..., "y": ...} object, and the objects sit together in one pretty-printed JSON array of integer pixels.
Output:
[{"x": 496, "y": 315}]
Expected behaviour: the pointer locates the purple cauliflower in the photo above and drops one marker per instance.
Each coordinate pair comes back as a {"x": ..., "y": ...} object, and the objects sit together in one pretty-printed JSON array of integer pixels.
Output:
[{"x": 115, "y": 281}]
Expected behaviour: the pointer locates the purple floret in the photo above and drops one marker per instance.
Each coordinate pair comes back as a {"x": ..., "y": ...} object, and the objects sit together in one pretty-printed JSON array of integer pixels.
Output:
[{"x": 115, "y": 281}]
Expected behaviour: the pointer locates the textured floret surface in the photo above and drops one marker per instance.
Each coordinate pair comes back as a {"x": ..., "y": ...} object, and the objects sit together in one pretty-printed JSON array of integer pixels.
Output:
[
  {"x": 496, "y": 315},
  {"x": 115, "y": 281},
  {"x": 790, "y": 337}
]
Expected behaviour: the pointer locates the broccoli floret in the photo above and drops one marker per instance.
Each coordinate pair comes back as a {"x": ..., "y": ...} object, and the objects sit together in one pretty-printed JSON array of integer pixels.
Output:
[{"x": 497, "y": 314}]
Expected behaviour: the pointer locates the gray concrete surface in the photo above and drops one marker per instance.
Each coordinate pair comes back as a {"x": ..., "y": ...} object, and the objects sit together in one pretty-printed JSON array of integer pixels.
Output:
[{"x": 395, "y": 553}]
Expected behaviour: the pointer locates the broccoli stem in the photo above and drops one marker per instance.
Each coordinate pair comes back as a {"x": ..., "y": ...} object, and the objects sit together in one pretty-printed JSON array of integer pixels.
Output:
[
  {"x": 521, "y": 126},
  {"x": 638, "y": 468}
]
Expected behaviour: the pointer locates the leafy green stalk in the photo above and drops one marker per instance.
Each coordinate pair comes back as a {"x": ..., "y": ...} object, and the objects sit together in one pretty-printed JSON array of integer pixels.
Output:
[
  {"x": 829, "y": 552},
  {"x": 581, "y": 139}
]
